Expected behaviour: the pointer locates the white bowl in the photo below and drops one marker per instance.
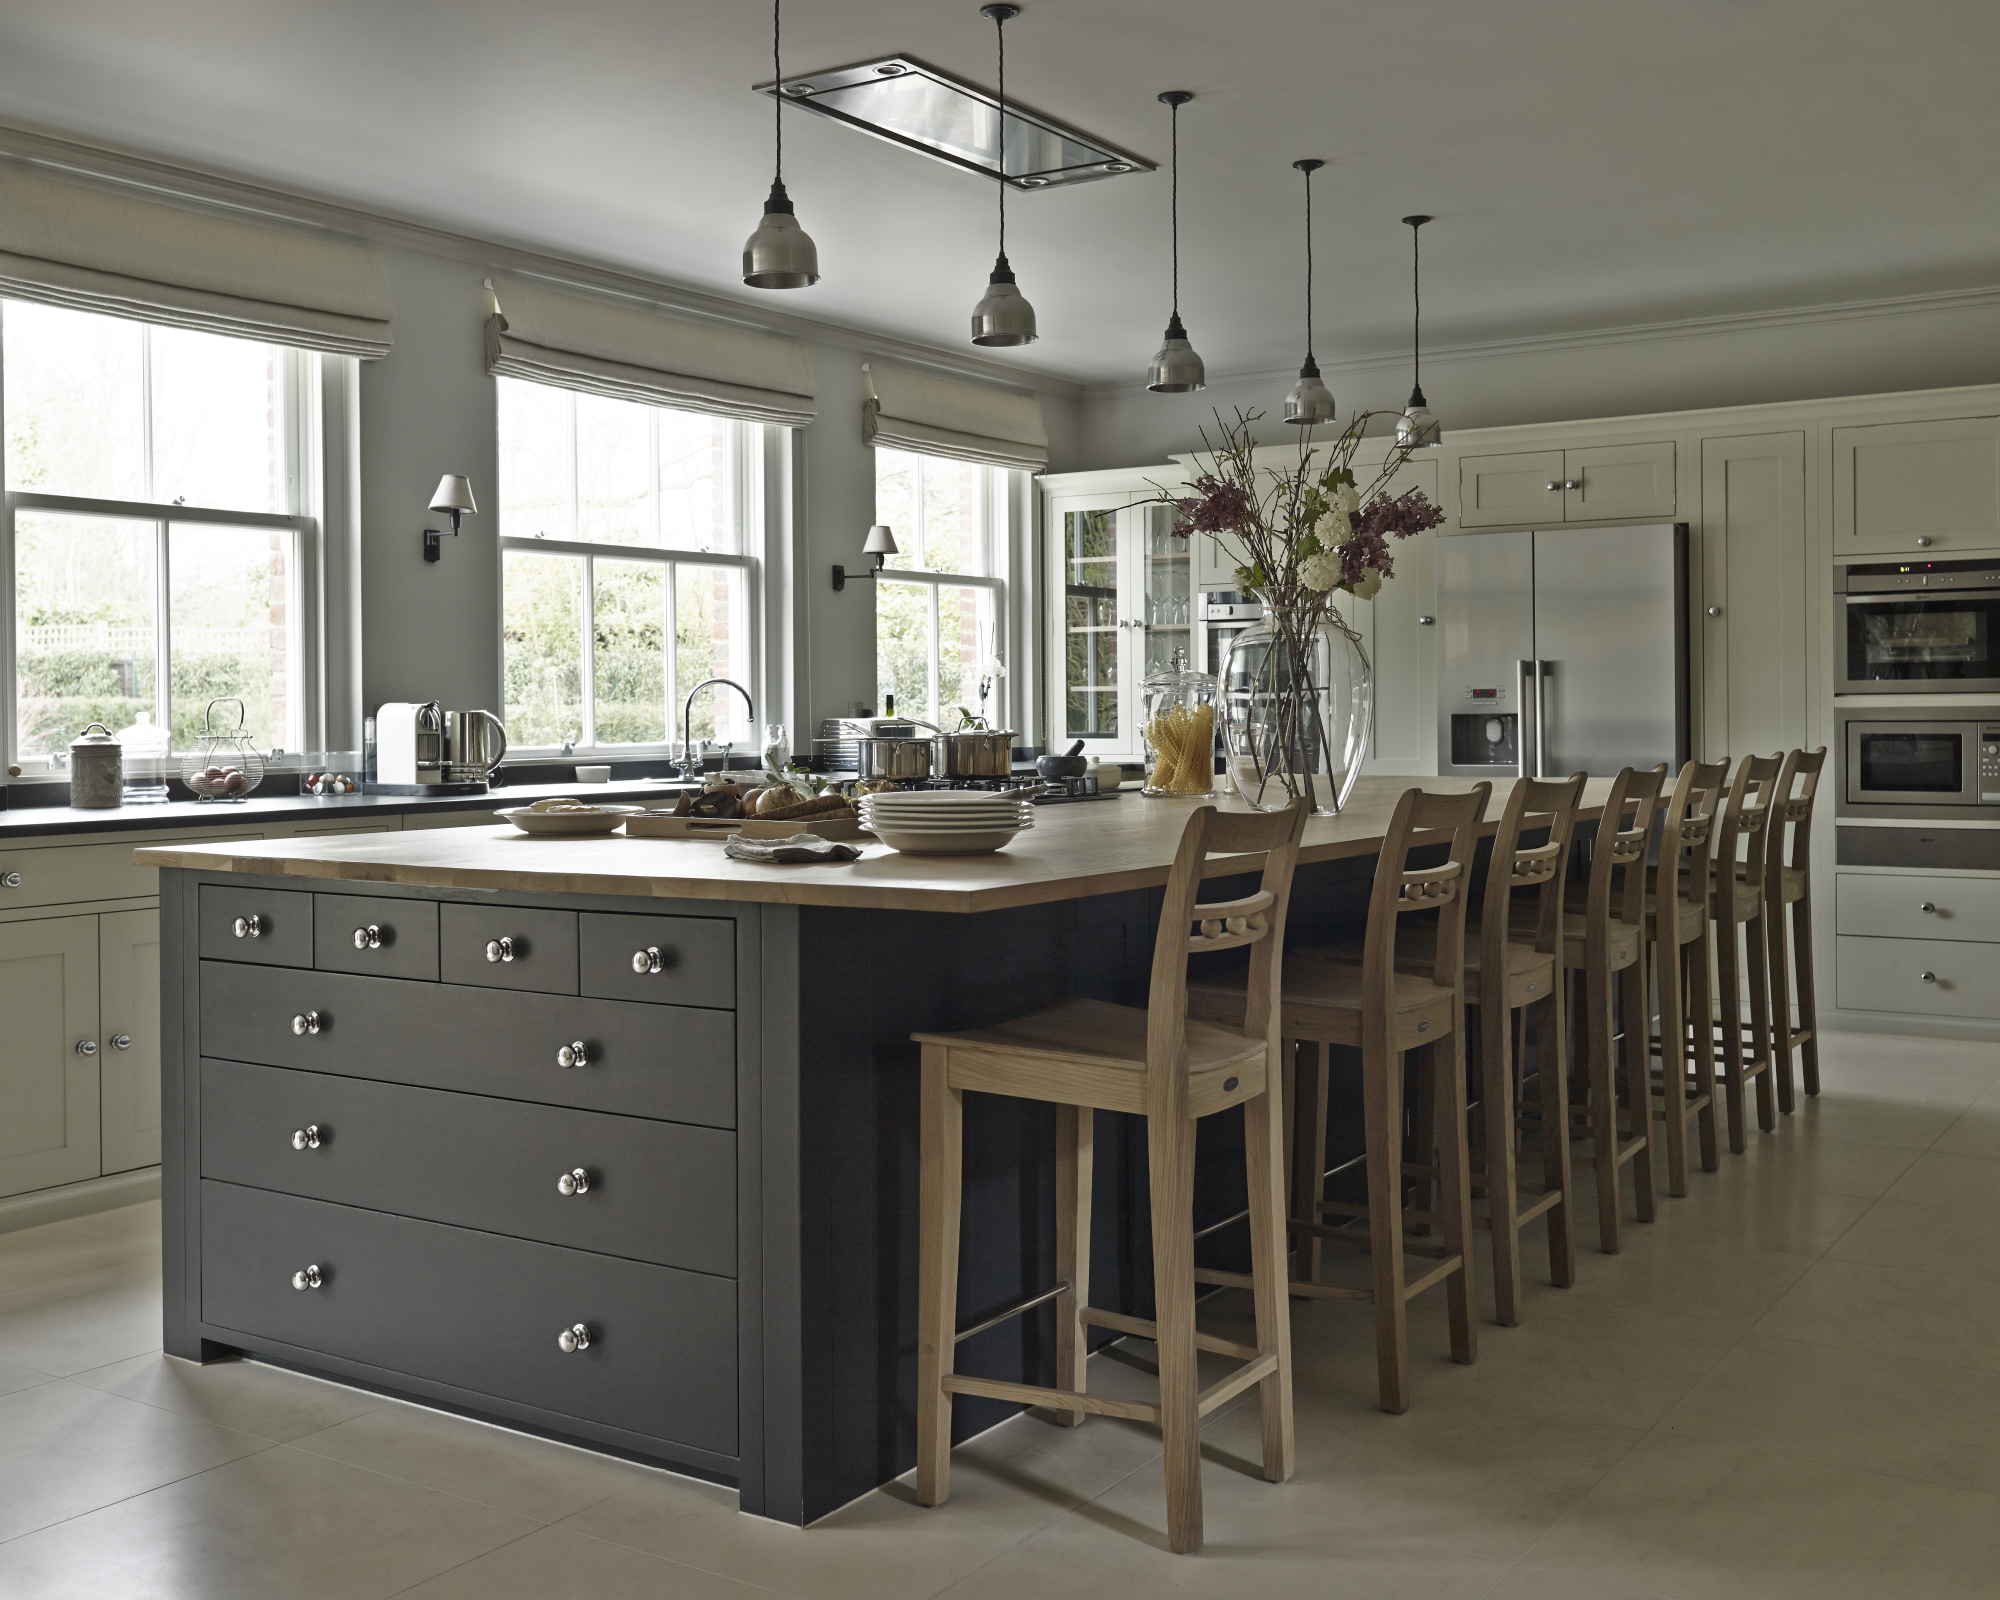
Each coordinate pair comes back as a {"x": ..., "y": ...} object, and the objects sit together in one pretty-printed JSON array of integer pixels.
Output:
[
  {"x": 955, "y": 842},
  {"x": 600, "y": 819}
]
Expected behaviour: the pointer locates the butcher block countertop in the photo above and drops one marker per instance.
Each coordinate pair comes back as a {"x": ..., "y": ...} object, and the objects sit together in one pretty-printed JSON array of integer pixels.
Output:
[{"x": 1073, "y": 851}]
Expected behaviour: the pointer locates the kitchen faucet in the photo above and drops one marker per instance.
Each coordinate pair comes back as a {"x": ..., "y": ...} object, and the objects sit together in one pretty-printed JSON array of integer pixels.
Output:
[{"x": 690, "y": 762}]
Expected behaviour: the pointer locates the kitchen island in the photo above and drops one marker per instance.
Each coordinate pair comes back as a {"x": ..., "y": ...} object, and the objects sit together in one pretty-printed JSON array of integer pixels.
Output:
[{"x": 617, "y": 1138}]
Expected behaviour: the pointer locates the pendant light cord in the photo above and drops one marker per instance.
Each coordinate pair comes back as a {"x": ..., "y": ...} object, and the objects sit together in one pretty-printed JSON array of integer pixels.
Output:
[
  {"x": 1174, "y": 206},
  {"x": 1417, "y": 304},
  {"x": 1309, "y": 266},
  {"x": 1000, "y": 35},
  {"x": 777, "y": 93}
]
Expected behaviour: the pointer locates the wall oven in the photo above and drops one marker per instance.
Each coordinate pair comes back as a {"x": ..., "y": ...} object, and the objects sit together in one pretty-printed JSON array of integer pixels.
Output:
[
  {"x": 1925, "y": 765},
  {"x": 1919, "y": 627}
]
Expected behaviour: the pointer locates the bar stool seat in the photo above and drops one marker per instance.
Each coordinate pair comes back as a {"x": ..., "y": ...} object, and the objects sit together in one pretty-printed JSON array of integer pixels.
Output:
[{"x": 1331, "y": 987}]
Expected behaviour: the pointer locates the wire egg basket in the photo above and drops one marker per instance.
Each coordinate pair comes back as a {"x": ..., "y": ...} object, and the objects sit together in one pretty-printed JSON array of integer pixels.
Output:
[{"x": 222, "y": 766}]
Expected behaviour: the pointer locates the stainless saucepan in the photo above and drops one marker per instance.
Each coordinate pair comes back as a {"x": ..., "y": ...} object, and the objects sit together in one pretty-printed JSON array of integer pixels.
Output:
[
  {"x": 893, "y": 758},
  {"x": 978, "y": 754}
]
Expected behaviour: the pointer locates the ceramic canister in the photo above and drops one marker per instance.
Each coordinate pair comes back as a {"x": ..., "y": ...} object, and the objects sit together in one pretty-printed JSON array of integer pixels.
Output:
[{"x": 96, "y": 769}]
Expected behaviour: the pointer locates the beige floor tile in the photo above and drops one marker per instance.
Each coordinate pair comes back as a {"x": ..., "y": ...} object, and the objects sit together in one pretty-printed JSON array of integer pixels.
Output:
[
  {"x": 1853, "y": 1408},
  {"x": 1768, "y": 1202},
  {"x": 1977, "y": 1131},
  {"x": 1895, "y": 1233},
  {"x": 1895, "y": 1055},
  {"x": 510, "y": 1471},
  {"x": 1940, "y": 1179},
  {"x": 1860, "y": 1306},
  {"x": 1687, "y": 1520},
  {"x": 551, "y": 1564},
  {"x": 1839, "y": 1113},
  {"x": 31, "y": 1256},
  {"x": 140, "y": 1222},
  {"x": 1537, "y": 1583},
  {"x": 1715, "y": 1278},
  {"x": 13, "y": 1377},
  {"x": 246, "y": 1395},
  {"x": 73, "y": 1324},
  {"x": 66, "y": 1450},
  {"x": 1913, "y": 1083},
  {"x": 279, "y": 1523}
]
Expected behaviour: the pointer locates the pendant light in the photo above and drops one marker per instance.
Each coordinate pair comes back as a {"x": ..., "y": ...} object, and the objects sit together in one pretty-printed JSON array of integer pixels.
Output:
[
  {"x": 1416, "y": 428},
  {"x": 780, "y": 254},
  {"x": 1003, "y": 317},
  {"x": 1176, "y": 369},
  {"x": 1310, "y": 400}
]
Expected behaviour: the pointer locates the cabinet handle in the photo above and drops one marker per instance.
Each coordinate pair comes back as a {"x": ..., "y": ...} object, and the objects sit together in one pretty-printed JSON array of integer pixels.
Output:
[
  {"x": 1927, "y": 977},
  {"x": 1553, "y": 486},
  {"x": 10, "y": 880},
  {"x": 574, "y": 1181},
  {"x": 648, "y": 959},
  {"x": 250, "y": 927},
  {"x": 308, "y": 1278},
  {"x": 307, "y": 1022},
  {"x": 1927, "y": 905},
  {"x": 1572, "y": 483},
  {"x": 573, "y": 1339},
  {"x": 574, "y": 1054},
  {"x": 121, "y": 1041},
  {"x": 1715, "y": 611},
  {"x": 1923, "y": 541},
  {"x": 368, "y": 938},
  {"x": 1427, "y": 622},
  {"x": 86, "y": 1047},
  {"x": 306, "y": 1138},
  {"x": 501, "y": 949}
]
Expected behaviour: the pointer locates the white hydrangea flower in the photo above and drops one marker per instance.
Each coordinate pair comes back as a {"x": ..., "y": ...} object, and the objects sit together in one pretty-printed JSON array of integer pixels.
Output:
[
  {"x": 1368, "y": 585},
  {"x": 1348, "y": 499},
  {"x": 1320, "y": 572}
]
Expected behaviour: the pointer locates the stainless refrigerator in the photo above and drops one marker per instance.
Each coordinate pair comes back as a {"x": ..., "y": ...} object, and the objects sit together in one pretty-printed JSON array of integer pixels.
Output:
[{"x": 1562, "y": 650}]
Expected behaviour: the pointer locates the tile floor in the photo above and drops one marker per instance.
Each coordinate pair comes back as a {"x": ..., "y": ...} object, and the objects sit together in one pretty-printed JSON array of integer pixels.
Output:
[{"x": 1788, "y": 1386}]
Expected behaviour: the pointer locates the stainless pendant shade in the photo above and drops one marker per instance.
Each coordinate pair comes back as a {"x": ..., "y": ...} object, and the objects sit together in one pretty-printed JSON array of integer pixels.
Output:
[
  {"x": 1176, "y": 369},
  {"x": 1310, "y": 401},
  {"x": 1003, "y": 316},
  {"x": 1416, "y": 428},
  {"x": 780, "y": 254}
]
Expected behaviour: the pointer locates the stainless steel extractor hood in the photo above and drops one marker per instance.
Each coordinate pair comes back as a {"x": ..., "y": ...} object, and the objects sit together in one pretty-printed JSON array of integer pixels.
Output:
[{"x": 901, "y": 99}]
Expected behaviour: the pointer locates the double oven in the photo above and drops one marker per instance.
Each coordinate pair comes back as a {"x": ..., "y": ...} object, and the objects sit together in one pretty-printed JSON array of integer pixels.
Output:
[{"x": 1918, "y": 714}]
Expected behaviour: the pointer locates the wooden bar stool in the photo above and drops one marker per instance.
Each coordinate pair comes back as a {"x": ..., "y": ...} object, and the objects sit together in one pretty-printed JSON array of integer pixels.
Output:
[
  {"x": 1677, "y": 929},
  {"x": 1788, "y": 890},
  {"x": 1604, "y": 946},
  {"x": 1386, "y": 1014},
  {"x": 1158, "y": 1063},
  {"x": 1736, "y": 911}
]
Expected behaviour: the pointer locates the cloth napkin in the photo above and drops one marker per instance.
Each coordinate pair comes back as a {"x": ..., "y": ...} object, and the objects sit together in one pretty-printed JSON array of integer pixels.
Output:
[{"x": 800, "y": 847}]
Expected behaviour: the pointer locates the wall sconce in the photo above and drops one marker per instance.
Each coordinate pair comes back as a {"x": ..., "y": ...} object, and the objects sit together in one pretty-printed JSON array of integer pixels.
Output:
[
  {"x": 454, "y": 496},
  {"x": 881, "y": 544}
]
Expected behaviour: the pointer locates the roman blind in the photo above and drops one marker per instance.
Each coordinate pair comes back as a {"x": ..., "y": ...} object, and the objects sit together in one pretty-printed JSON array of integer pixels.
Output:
[
  {"x": 92, "y": 250},
  {"x": 941, "y": 417},
  {"x": 627, "y": 353}
]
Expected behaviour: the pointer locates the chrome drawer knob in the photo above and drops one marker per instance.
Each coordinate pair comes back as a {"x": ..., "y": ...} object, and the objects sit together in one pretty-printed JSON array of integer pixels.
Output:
[
  {"x": 1923, "y": 541},
  {"x": 1927, "y": 905},
  {"x": 1927, "y": 977},
  {"x": 309, "y": 1278},
  {"x": 368, "y": 938},
  {"x": 306, "y": 1022},
  {"x": 121, "y": 1041},
  {"x": 86, "y": 1047},
  {"x": 1552, "y": 486},
  {"x": 306, "y": 1138},
  {"x": 250, "y": 927},
  {"x": 573, "y": 1339},
  {"x": 648, "y": 959},
  {"x": 10, "y": 880},
  {"x": 574, "y": 1181},
  {"x": 574, "y": 1054},
  {"x": 1572, "y": 483},
  {"x": 501, "y": 949}
]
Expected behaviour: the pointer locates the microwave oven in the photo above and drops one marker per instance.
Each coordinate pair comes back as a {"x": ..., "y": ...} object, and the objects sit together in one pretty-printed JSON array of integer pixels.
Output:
[
  {"x": 1918, "y": 627},
  {"x": 1924, "y": 765}
]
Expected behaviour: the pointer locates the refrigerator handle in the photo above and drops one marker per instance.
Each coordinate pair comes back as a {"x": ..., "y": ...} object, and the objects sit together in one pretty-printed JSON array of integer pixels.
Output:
[
  {"x": 1544, "y": 670},
  {"x": 1530, "y": 697}
]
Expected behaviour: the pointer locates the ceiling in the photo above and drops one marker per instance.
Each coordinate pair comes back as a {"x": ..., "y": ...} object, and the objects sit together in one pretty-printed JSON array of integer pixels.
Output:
[{"x": 1591, "y": 163}]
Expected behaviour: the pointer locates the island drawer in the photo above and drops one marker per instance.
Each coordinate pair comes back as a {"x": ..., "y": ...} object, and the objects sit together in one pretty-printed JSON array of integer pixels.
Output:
[
  {"x": 1917, "y": 907},
  {"x": 654, "y": 1191},
  {"x": 674, "y": 1062},
  {"x": 387, "y": 938},
  {"x": 477, "y": 1311},
  {"x": 1926, "y": 977},
  {"x": 508, "y": 947},
  {"x": 272, "y": 927},
  {"x": 684, "y": 961}
]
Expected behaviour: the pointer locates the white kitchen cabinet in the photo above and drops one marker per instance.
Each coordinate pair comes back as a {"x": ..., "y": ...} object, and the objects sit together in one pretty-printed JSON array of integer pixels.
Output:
[
  {"x": 1918, "y": 906},
  {"x": 128, "y": 947},
  {"x": 1910, "y": 487},
  {"x": 48, "y": 1086},
  {"x": 1402, "y": 649},
  {"x": 1597, "y": 483},
  {"x": 1923, "y": 977},
  {"x": 1751, "y": 644}
]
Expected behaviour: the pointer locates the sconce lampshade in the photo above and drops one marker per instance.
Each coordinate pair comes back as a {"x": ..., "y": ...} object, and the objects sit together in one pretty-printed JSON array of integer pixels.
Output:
[
  {"x": 454, "y": 493},
  {"x": 880, "y": 542}
]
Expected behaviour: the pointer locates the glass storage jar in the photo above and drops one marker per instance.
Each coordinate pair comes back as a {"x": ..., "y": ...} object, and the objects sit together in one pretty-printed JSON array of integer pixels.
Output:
[{"x": 1179, "y": 729}]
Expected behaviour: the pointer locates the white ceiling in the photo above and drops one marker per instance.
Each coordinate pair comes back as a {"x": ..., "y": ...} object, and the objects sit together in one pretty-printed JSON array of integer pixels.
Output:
[{"x": 1591, "y": 163}]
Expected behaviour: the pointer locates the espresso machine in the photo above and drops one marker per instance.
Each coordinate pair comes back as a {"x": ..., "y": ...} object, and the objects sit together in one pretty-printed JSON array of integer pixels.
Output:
[{"x": 418, "y": 748}]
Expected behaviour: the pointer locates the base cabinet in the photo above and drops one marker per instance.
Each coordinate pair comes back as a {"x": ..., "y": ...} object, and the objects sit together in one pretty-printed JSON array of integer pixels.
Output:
[
  {"x": 49, "y": 1066},
  {"x": 128, "y": 952}
]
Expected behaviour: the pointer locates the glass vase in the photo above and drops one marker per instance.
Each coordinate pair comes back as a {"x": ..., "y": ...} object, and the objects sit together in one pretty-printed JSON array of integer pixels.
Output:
[{"x": 1297, "y": 700}]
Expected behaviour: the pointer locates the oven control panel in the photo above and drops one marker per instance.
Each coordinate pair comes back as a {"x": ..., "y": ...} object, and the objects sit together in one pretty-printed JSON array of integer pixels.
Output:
[{"x": 1989, "y": 763}]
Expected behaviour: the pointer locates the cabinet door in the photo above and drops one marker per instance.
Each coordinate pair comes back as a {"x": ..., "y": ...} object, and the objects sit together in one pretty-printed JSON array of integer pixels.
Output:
[
  {"x": 1753, "y": 555},
  {"x": 128, "y": 948},
  {"x": 48, "y": 1092},
  {"x": 1088, "y": 624},
  {"x": 1401, "y": 650},
  {"x": 1619, "y": 480},
  {"x": 1500, "y": 491},
  {"x": 1909, "y": 486}
]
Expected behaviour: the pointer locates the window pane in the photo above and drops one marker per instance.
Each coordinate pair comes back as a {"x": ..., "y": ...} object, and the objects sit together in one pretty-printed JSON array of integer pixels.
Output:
[
  {"x": 535, "y": 467},
  {"x": 695, "y": 484},
  {"x": 230, "y": 604},
  {"x": 75, "y": 402},
  {"x": 631, "y": 652},
  {"x": 897, "y": 475},
  {"x": 710, "y": 642},
  {"x": 951, "y": 517},
  {"x": 1090, "y": 624},
  {"x": 542, "y": 629},
  {"x": 614, "y": 471},
  {"x": 85, "y": 590},
  {"x": 218, "y": 421},
  {"x": 903, "y": 638},
  {"x": 964, "y": 623}
]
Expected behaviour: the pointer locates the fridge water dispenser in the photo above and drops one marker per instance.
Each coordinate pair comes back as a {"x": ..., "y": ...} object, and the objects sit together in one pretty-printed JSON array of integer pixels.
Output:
[{"x": 1485, "y": 739}]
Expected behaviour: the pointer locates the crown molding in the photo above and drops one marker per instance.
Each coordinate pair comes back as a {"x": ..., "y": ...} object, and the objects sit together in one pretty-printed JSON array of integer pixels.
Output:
[
  {"x": 132, "y": 172},
  {"x": 1946, "y": 300}
]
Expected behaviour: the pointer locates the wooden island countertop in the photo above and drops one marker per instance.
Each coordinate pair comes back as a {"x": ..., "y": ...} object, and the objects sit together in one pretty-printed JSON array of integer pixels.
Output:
[{"x": 1073, "y": 851}]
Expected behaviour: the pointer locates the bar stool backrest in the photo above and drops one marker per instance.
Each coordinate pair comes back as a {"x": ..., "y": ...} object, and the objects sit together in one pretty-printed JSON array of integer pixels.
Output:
[
  {"x": 1257, "y": 920},
  {"x": 1689, "y": 825},
  {"x": 1400, "y": 888},
  {"x": 1740, "y": 840},
  {"x": 1534, "y": 804},
  {"x": 1795, "y": 808},
  {"x": 1624, "y": 831}
]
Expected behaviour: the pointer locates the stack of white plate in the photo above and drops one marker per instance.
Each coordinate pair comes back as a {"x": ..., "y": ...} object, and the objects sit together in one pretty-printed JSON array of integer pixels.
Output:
[{"x": 945, "y": 822}]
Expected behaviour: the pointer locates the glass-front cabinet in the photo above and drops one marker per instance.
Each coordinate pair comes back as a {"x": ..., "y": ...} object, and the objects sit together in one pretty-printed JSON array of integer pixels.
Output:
[{"x": 1127, "y": 602}]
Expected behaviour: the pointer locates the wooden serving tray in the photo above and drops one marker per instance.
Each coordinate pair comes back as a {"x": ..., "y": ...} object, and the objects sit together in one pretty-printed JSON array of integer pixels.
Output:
[{"x": 651, "y": 827}]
